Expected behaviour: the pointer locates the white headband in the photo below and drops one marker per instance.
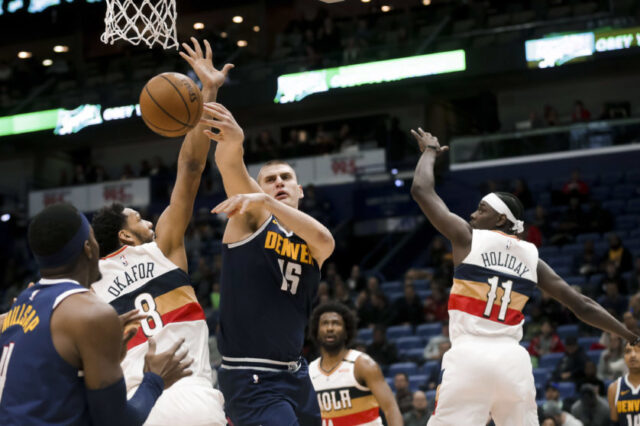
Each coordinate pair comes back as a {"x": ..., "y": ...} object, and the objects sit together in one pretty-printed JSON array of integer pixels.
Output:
[{"x": 498, "y": 205}]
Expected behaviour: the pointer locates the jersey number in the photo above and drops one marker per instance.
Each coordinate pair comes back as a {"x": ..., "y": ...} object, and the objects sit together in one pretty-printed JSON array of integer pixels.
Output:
[
  {"x": 4, "y": 365},
  {"x": 633, "y": 420},
  {"x": 152, "y": 323},
  {"x": 491, "y": 297},
  {"x": 291, "y": 272}
]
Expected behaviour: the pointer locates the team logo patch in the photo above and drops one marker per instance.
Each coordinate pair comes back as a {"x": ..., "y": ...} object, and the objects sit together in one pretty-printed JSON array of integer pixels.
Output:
[
  {"x": 509, "y": 244},
  {"x": 124, "y": 260}
]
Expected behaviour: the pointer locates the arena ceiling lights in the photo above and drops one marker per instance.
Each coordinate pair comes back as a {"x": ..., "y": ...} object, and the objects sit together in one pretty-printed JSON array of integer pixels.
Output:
[
  {"x": 297, "y": 86},
  {"x": 36, "y": 6}
]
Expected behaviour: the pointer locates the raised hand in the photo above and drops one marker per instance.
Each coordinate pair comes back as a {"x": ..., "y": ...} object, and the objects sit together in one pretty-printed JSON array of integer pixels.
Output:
[
  {"x": 170, "y": 365},
  {"x": 428, "y": 141},
  {"x": 202, "y": 64},
  {"x": 240, "y": 203},
  {"x": 229, "y": 131},
  {"x": 129, "y": 321}
]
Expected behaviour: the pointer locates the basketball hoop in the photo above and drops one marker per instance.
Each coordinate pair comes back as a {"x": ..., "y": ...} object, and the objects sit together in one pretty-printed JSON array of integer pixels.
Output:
[{"x": 146, "y": 21}]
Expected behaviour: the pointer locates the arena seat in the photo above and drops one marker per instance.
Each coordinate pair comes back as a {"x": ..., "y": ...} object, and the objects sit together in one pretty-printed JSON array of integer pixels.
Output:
[
  {"x": 429, "y": 330},
  {"x": 549, "y": 361},
  {"x": 403, "y": 367},
  {"x": 396, "y": 331}
]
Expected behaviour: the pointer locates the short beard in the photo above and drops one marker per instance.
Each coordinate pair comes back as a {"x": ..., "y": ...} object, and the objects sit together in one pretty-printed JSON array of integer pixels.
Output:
[
  {"x": 143, "y": 240},
  {"x": 335, "y": 347}
]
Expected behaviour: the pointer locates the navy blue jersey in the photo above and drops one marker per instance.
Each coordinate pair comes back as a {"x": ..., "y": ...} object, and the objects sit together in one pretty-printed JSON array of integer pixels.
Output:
[
  {"x": 38, "y": 387},
  {"x": 268, "y": 284},
  {"x": 627, "y": 402}
]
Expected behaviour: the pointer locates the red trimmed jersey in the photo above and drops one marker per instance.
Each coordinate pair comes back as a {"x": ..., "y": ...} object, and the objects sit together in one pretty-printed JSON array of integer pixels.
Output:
[
  {"x": 141, "y": 277},
  {"x": 343, "y": 401},
  {"x": 492, "y": 285}
]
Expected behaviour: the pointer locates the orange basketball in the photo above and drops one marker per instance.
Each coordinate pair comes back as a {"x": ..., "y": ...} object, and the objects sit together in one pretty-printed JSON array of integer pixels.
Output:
[{"x": 171, "y": 104}]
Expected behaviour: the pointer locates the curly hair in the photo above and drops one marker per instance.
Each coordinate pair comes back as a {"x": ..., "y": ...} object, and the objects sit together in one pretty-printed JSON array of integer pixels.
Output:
[
  {"x": 347, "y": 315},
  {"x": 107, "y": 222}
]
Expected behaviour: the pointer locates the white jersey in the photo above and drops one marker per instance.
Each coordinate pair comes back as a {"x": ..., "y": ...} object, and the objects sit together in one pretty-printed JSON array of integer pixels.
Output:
[
  {"x": 492, "y": 285},
  {"x": 142, "y": 277},
  {"x": 343, "y": 401}
]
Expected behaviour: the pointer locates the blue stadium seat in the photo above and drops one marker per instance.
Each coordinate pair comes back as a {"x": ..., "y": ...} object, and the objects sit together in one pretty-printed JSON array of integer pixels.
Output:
[
  {"x": 396, "y": 331},
  {"x": 365, "y": 334},
  {"x": 563, "y": 271},
  {"x": 431, "y": 395},
  {"x": 541, "y": 375},
  {"x": 633, "y": 244},
  {"x": 566, "y": 389},
  {"x": 429, "y": 330},
  {"x": 430, "y": 368},
  {"x": 586, "y": 342},
  {"x": 546, "y": 252},
  {"x": 578, "y": 280},
  {"x": 624, "y": 191},
  {"x": 565, "y": 331},
  {"x": 391, "y": 287},
  {"x": 409, "y": 342},
  {"x": 417, "y": 380},
  {"x": 610, "y": 178},
  {"x": 614, "y": 206},
  {"x": 626, "y": 222},
  {"x": 560, "y": 260},
  {"x": 601, "y": 193},
  {"x": 413, "y": 355},
  {"x": 538, "y": 185},
  {"x": 403, "y": 367},
  {"x": 595, "y": 355},
  {"x": 572, "y": 249},
  {"x": 593, "y": 236},
  {"x": 389, "y": 381},
  {"x": 632, "y": 176},
  {"x": 633, "y": 205},
  {"x": 544, "y": 199},
  {"x": 421, "y": 285},
  {"x": 423, "y": 294},
  {"x": 549, "y": 361},
  {"x": 523, "y": 343}
]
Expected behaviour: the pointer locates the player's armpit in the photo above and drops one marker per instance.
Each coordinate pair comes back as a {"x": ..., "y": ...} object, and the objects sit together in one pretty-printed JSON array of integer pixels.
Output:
[
  {"x": 368, "y": 373},
  {"x": 611, "y": 396}
]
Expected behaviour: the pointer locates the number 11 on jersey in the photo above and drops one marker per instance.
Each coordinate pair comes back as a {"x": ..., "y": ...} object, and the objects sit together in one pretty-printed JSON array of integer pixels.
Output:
[{"x": 491, "y": 297}]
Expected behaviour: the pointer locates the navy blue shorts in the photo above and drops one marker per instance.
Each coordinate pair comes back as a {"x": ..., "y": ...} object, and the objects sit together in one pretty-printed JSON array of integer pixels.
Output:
[{"x": 270, "y": 398}]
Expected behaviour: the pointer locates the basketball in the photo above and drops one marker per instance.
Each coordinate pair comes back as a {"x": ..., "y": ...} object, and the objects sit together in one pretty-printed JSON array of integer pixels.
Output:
[{"x": 171, "y": 104}]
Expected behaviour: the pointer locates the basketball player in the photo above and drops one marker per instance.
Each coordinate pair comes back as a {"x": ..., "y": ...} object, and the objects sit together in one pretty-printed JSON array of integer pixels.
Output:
[
  {"x": 349, "y": 384},
  {"x": 148, "y": 272},
  {"x": 624, "y": 393},
  {"x": 486, "y": 370},
  {"x": 62, "y": 345},
  {"x": 271, "y": 259}
]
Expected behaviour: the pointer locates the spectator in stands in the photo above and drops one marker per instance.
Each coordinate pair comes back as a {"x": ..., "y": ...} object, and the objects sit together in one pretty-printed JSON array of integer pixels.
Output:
[
  {"x": 550, "y": 115},
  {"x": 419, "y": 414},
  {"x": 591, "y": 378},
  {"x": 99, "y": 174},
  {"x": 373, "y": 309},
  {"x": 549, "y": 421},
  {"x": 587, "y": 262},
  {"x": 575, "y": 187},
  {"x": 145, "y": 168},
  {"x": 591, "y": 409},
  {"x": 580, "y": 113},
  {"x": 612, "y": 301},
  {"x": 618, "y": 254},
  {"x": 436, "y": 305},
  {"x": 598, "y": 219},
  {"x": 572, "y": 222},
  {"x": 432, "y": 350},
  {"x": 437, "y": 248},
  {"x": 541, "y": 221},
  {"x": 611, "y": 364},
  {"x": 373, "y": 284},
  {"x": 356, "y": 282},
  {"x": 547, "y": 341},
  {"x": 127, "y": 172},
  {"x": 404, "y": 398},
  {"x": 382, "y": 351},
  {"x": 324, "y": 293},
  {"x": 634, "y": 281},
  {"x": 532, "y": 234},
  {"x": 552, "y": 310},
  {"x": 571, "y": 365},
  {"x": 408, "y": 309},
  {"x": 552, "y": 396},
  {"x": 79, "y": 175},
  {"x": 434, "y": 380},
  {"x": 63, "y": 180},
  {"x": 521, "y": 190},
  {"x": 612, "y": 273},
  {"x": 562, "y": 418},
  {"x": 341, "y": 294},
  {"x": 630, "y": 322},
  {"x": 314, "y": 206}
]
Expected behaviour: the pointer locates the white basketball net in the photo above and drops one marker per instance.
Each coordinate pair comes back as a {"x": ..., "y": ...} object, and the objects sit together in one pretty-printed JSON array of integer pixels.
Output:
[{"x": 147, "y": 21}]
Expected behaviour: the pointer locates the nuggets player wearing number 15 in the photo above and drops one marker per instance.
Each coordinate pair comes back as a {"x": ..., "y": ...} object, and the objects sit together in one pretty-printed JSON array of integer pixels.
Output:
[
  {"x": 624, "y": 393},
  {"x": 148, "y": 272},
  {"x": 271, "y": 259},
  {"x": 486, "y": 370}
]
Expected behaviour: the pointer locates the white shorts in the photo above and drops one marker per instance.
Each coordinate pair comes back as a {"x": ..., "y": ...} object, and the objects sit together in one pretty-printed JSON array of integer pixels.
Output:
[
  {"x": 486, "y": 376},
  {"x": 189, "y": 402}
]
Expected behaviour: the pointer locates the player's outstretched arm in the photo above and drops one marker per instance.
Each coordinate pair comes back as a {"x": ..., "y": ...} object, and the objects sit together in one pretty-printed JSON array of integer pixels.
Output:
[
  {"x": 315, "y": 234},
  {"x": 192, "y": 159},
  {"x": 611, "y": 396},
  {"x": 368, "y": 373},
  {"x": 452, "y": 226},
  {"x": 585, "y": 308}
]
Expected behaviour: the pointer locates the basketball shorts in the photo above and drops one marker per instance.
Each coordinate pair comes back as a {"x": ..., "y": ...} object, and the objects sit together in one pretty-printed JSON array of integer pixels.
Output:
[
  {"x": 482, "y": 377},
  {"x": 192, "y": 401},
  {"x": 260, "y": 397}
]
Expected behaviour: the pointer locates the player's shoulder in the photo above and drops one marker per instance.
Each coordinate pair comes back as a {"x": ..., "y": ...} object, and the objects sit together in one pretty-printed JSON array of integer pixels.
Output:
[
  {"x": 364, "y": 362},
  {"x": 86, "y": 308}
]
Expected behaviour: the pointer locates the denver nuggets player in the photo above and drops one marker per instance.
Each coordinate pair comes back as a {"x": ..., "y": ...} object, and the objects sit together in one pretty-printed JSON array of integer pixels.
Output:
[
  {"x": 149, "y": 272},
  {"x": 486, "y": 370},
  {"x": 624, "y": 393},
  {"x": 271, "y": 259},
  {"x": 61, "y": 345},
  {"x": 350, "y": 386}
]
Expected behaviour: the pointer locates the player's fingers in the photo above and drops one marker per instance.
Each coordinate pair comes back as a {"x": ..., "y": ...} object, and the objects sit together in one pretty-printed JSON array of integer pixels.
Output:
[
  {"x": 207, "y": 50},
  {"x": 227, "y": 68},
  {"x": 220, "y": 107},
  {"x": 152, "y": 347},
  {"x": 130, "y": 334},
  {"x": 210, "y": 123},
  {"x": 174, "y": 348},
  {"x": 196, "y": 46},
  {"x": 189, "y": 50},
  {"x": 31, "y": 284},
  {"x": 216, "y": 111},
  {"x": 186, "y": 57},
  {"x": 444, "y": 148},
  {"x": 185, "y": 363},
  {"x": 245, "y": 205},
  {"x": 213, "y": 136}
]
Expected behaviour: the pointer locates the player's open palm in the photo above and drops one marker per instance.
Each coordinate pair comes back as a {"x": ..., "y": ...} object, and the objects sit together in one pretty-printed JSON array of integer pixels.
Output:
[
  {"x": 240, "y": 203},
  {"x": 428, "y": 141},
  {"x": 170, "y": 365},
  {"x": 202, "y": 64},
  {"x": 216, "y": 116}
]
